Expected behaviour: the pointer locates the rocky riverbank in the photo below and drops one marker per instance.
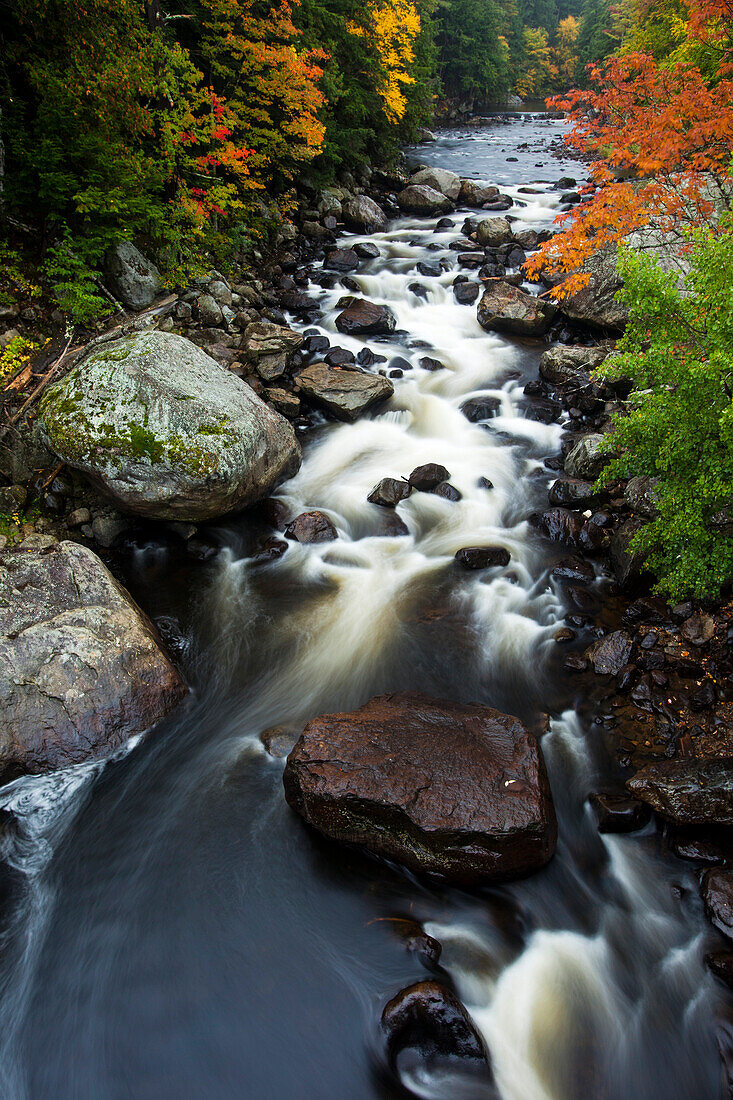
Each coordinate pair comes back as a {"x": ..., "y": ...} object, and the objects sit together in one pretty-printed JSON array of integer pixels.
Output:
[{"x": 192, "y": 410}]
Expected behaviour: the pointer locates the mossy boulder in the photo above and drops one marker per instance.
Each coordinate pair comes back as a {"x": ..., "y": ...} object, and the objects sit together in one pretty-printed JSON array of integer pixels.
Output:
[{"x": 166, "y": 431}]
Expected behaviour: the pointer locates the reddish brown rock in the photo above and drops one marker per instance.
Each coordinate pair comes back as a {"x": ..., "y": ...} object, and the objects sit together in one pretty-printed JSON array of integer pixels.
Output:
[
  {"x": 429, "y": 1017},
  {"x": 364, "y": 318},
  {"x": 717, "y": 893},
  {"x": 610, "y": 654},
  {"x": 688, "y": 791},
  {"x": 459, "y": 790}
]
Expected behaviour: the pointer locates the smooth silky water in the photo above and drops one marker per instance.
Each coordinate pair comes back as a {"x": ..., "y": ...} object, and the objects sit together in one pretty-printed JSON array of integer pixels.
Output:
[{"x": 172, "y": 930}]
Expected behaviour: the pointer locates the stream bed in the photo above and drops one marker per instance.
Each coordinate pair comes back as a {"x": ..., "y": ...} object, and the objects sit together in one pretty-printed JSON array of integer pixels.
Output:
[{"x": 173, "y": 930}]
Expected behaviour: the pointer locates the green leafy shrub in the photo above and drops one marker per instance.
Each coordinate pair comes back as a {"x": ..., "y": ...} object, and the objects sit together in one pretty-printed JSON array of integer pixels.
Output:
[{"x": 678, "y": 424}]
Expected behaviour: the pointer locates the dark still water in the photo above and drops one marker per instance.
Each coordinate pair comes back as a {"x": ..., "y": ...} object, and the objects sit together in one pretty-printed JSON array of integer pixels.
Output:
[{"x": 173, "y": 931}]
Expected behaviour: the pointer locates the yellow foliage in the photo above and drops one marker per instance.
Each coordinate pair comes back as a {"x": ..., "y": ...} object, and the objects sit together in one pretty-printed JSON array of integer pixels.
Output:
[{"x": 392, "y": 26}]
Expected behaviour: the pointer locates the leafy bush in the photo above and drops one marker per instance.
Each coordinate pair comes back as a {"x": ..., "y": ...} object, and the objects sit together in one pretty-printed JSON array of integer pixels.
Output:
[{"x": 678, "y": 425}]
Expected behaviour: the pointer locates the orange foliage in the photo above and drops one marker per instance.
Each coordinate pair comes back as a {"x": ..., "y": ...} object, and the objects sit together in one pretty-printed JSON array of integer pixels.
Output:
[{"x": 666, "y": 134}]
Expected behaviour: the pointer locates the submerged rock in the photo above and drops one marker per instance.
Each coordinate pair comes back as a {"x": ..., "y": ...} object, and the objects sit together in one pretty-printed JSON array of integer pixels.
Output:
[
  {"x": 166, "y": 431},
  {"x": 81, "y": 669},
  {"x": 347, "y": 394},
  {"x": 717, "y": 893},
  {"x": 688, "y": 791},
  {"x": 617, "y": 813},
  {"x": 508, "y": 308},
  {"x": 454, "y": 789},
  {"x": 482, "y": 557}
]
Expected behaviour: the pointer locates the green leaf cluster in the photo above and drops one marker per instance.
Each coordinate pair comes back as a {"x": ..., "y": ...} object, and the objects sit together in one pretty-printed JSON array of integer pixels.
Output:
[{"x": 678, "y": 423}]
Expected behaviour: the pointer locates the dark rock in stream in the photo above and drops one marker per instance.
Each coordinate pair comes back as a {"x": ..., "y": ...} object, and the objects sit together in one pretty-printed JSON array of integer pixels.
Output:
[
  {"x": 428, "y": 477},
  {"x": 428, "y": 1017},
  {"x": 342, "y": 259},
  {"x": 610, "y": 654},
  {"x": 466, "y": 293},
  {"x": 482, "y": 557},
  {"x": 481, "y": 408},
  {"x": 617, "y": 813},
  {"x": 311, "y": 527},
  {"x": 389, "y": 492},
  {"x": 447, "y": 492},
  {"x": 458, "y": 790},
  {"x": 364, "y": 318}
]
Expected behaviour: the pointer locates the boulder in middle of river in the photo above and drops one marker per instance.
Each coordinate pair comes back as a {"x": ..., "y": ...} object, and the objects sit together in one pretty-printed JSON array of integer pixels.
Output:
[
  {"x": 455, "y": 789},
  {"x": 347, "y": 394},
  {"x": 166, "y": 431},
  {"x": 364, "y": 318},
  {"x": 508, "y": 308}
]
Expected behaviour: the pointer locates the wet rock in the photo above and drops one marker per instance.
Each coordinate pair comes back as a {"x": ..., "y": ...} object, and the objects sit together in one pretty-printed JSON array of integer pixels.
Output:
[
  {"x": 453, "y": 789},
  {"x": 418, "y": 942},
  {"x": 563, "y": 364},
  {"x": 81, "y": 669},
  {"x": 389, "y": 492},
  {"x": 106, "y": 528},
  {"x": 427, "y": 477},
  {"x": 543, "y": 411},
  {"x": 466, "y": 293},
  {"x": 507, "y": 308},
  {"x": 700, "y": 844},
  {"x": 586, "y": 460},
  {"x": 429, "y": 270},
  {"x": 339, "y": 357},
  {"x": 364, "y": 215},
  {"x": 688, "y": 791},
  {"x": 347, "y": 394},
  {"x": 481, "y": 408},
  {"x": 283, "y": 401},
  {"x": 393, "y": 526},
  {"x": 428, "y": 1017},
  {"x": 573, "y": 493},
  {"x": 564, "y": 634},
  {"x": 167, "y": 432},
  {"x": 341, "y": 259},
  {"x": 560, "y": 525},
  {"x": 418, "y": 289},
  {"x": 132, "y": 278},
  {"x": 278, "y": 741},
  {"x": 485, "y": 483},
  {"x": 419, "y": 199},
  {"x": 609, "y": 655},
  {"x": 572, "y": 569},
  {"x": 717, "y": 893},
  {"x": 270, "y": 348},
  {"x": 641, "y": 496},
  {"x": 482, "y": 557},
  {"x": 364, "y": 318},
  {"x": 440, "y": 179},
  {"x": 446, "y": 491},
  {"x": 617, "y": 813},
  {"x": 311, "y": 527},
  {"x": 270, "y": 549},
  {"x": 493, "y": 232}
]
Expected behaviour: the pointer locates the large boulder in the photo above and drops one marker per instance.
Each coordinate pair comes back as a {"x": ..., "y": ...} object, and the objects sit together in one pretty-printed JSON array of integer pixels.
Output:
[
  {"x": 456, "y": 789},
  {"x": 166, "y": 431},
  {"x": 563, "y": 364},
  {"x": 508, "y": 308},
  {"x": 596, "y": 305},
  {"x": 419, "y": 199},
  {"x": 364, "y": 215},
  {"x": 364, "y": 318},
  {"x": 475, "y": 194},
  {"x": 81, "y": 669},
  {"x": 493, "y": 232},
  {"x": 688, "y": 791},
  {"x": 347, "y": 394},
  {"x": 440, "y": 179},
  {"x": 130, "y": 276}
]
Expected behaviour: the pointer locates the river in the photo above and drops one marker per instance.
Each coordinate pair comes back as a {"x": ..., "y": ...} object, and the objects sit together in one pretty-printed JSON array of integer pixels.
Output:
[{"x": 173, "y": 930}]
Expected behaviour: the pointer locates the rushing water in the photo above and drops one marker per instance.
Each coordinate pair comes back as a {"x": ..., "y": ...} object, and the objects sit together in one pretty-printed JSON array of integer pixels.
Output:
[{"x": 172, "y": 930}]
